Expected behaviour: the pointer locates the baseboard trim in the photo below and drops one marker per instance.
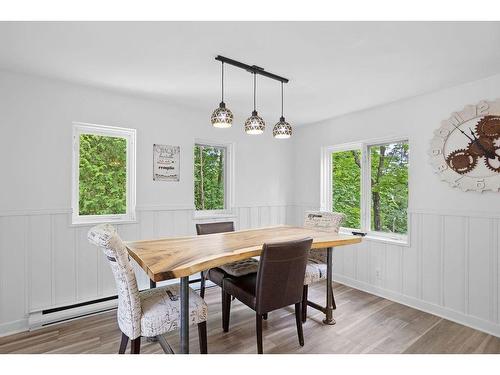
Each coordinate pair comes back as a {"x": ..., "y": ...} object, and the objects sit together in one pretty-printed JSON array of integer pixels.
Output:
[
  {"x": 11, "y": 328},
  {"x": 442, "y": 312}
]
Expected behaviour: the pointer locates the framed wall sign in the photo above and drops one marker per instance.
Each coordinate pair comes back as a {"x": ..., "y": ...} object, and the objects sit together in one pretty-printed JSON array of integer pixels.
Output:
[{"x": 166, "y": 161}]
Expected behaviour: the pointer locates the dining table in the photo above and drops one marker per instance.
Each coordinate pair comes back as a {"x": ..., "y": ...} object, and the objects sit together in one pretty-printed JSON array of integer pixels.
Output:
[{"x": 179, "y": 257}]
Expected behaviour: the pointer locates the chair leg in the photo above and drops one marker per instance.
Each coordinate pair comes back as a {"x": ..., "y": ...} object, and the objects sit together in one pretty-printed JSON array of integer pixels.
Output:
[
  {"x": 258, "y": 327},
  {"x": 123, "y": 344},
  {"x": 299, "y": 323},
  {"x": 333, "y": 301},
  {"x": 202, "y": 285},
  {"x": 202, "y": 336},
  {"x": 305, "y": 291},
  {"x": 135, "y": 346},
  {"x": 226, "y": 310}
]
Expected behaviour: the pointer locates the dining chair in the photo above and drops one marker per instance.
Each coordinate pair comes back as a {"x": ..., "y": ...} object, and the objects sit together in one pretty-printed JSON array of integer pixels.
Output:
[
  {"x": 278, "y": 283},
  {"x": 235, "y": 269},
  {"x": 317, "y": 266},
  {"x": 149, "y": 313}
]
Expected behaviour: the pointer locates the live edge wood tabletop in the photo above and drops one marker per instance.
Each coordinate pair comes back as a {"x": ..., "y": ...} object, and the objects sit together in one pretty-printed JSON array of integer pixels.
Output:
[
  {"x": 179, "y": 257},
  {"x": 175, "y": 257}
]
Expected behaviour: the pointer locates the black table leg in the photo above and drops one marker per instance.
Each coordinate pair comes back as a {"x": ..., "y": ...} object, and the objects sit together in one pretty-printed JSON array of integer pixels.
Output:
[
  {"x": 184, "y": 315},
  {"x": 329, "y": 289}
]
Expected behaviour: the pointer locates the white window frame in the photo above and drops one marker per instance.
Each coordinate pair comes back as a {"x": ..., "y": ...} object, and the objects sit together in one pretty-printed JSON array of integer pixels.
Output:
[
  {"x": 110, "y": 131},
  {"x": 228, "y": 182},
  {"x": 365, "y": 201}
]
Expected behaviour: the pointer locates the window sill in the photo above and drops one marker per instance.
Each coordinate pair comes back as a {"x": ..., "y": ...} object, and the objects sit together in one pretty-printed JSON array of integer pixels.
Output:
[
  {"x": 405, "y": 241},
  {"x": 388, "y": 240},
  {"x": 84, "y": 222},
  {"x": 205, "y": 215}
]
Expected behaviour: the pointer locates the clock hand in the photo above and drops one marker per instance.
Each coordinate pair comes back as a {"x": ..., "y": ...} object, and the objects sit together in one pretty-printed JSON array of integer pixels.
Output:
[
  {"x": 489, "y": 154},
  {"x": 461, "y": 131}
]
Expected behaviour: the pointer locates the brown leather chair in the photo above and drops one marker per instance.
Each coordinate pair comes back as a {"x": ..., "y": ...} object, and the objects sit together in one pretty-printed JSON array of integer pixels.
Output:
[
  {"x": 209, "y": 228},
  {"x": 235, "y": 269},
  {"x": 215, "y": 275},
  {"x": 277, "y": 284}
]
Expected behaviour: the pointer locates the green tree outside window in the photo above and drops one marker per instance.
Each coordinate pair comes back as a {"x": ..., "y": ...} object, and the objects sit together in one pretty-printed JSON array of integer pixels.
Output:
[
  {"x": 209, "y": 177},
  {"x": 102, "y": 175},
  {"x": 346, "y": 186},
  {"x": 389, "y": 182}
]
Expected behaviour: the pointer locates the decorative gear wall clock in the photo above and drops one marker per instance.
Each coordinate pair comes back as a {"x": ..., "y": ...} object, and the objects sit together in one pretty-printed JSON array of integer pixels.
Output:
[{"x": 465, "y": 150}]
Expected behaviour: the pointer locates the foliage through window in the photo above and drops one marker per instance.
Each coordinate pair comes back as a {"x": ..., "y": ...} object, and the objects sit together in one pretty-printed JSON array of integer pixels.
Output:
[
  {"x": 389, "y": 187},
  {"x": 210, "y": 177},
  {"x": 103, "y": 177},
  {"x": 346, "y": 186},
  {"x": 369, "y": 183}
]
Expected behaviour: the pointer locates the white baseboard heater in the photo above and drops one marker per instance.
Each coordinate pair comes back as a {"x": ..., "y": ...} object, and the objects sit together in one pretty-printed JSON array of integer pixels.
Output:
[{"x": 38, "y": 319}]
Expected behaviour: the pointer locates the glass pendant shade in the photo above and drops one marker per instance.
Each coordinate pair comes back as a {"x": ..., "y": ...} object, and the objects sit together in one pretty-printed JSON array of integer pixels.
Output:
[
  {"x": 222, "y": 117},
  {"x": 282, "y": 129},
  {"x": 254, "y": 124}
]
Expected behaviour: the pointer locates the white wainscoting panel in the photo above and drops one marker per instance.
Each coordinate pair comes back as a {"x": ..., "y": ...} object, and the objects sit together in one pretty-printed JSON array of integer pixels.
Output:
[
  {"x": 45, "y": 262},
  {"x": 65, "y": 260},
  {"x": 14, "y": 285}
]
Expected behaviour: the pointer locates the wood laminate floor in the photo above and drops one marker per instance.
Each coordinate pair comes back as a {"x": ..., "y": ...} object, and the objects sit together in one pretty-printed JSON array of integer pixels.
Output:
[{"x": 365, "y": 324}]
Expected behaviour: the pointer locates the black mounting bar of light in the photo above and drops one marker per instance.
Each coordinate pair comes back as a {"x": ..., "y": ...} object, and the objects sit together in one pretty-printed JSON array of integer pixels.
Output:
[{"x": 251, "y": 68}]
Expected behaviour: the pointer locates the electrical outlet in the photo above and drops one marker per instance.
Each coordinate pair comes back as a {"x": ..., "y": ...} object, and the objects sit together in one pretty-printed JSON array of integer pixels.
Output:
[{"x": 378, "y": 274}]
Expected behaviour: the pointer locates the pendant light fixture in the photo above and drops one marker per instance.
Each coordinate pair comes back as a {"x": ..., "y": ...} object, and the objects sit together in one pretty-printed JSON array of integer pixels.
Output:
[
  {"x": 222, "y": 117},
  {"x": 254, "y": 124},
  {"x": 282, "y": 129}
]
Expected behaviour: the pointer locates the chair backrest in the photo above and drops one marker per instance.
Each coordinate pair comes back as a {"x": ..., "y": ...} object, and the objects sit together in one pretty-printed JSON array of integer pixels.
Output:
[
  {"x": 323, "y": 220},
  {"x": 209, "y": 228},
  {"x": 129, "y": 302},
  {"x": 280, "y": 278}
]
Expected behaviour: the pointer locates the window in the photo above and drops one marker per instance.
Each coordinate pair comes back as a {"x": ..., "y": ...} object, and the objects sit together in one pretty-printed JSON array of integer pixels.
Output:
[
  {"x": 212, "y": 178},
  {"x": 103, "y": 174},
  {"x": 368, "y": 182}
]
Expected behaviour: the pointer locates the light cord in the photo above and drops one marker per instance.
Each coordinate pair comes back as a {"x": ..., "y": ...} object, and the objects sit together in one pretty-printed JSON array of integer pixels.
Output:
[
  {"x": 282, "y": 99},
  {"x": 254, "y": 84},
  {"x": 223, "y": 82}
]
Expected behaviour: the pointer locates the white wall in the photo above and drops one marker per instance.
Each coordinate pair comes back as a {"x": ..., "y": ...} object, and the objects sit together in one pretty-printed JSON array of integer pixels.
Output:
[
  {"x": 44, "y": 261},
  {"x": 452, "y": 265}
]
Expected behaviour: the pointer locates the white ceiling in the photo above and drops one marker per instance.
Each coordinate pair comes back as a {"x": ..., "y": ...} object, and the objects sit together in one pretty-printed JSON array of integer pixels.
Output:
[{"x": 333, "y": 67}]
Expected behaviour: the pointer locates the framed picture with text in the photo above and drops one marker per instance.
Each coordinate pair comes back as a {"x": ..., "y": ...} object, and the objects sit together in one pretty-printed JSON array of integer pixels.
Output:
[{"x": 166, "y": 162}]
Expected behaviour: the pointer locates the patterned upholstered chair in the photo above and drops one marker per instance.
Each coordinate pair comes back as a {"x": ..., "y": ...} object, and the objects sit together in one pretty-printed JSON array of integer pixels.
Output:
[
  {"x": 150, "y": 313},
  {"x": 316, "y": 265}
]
